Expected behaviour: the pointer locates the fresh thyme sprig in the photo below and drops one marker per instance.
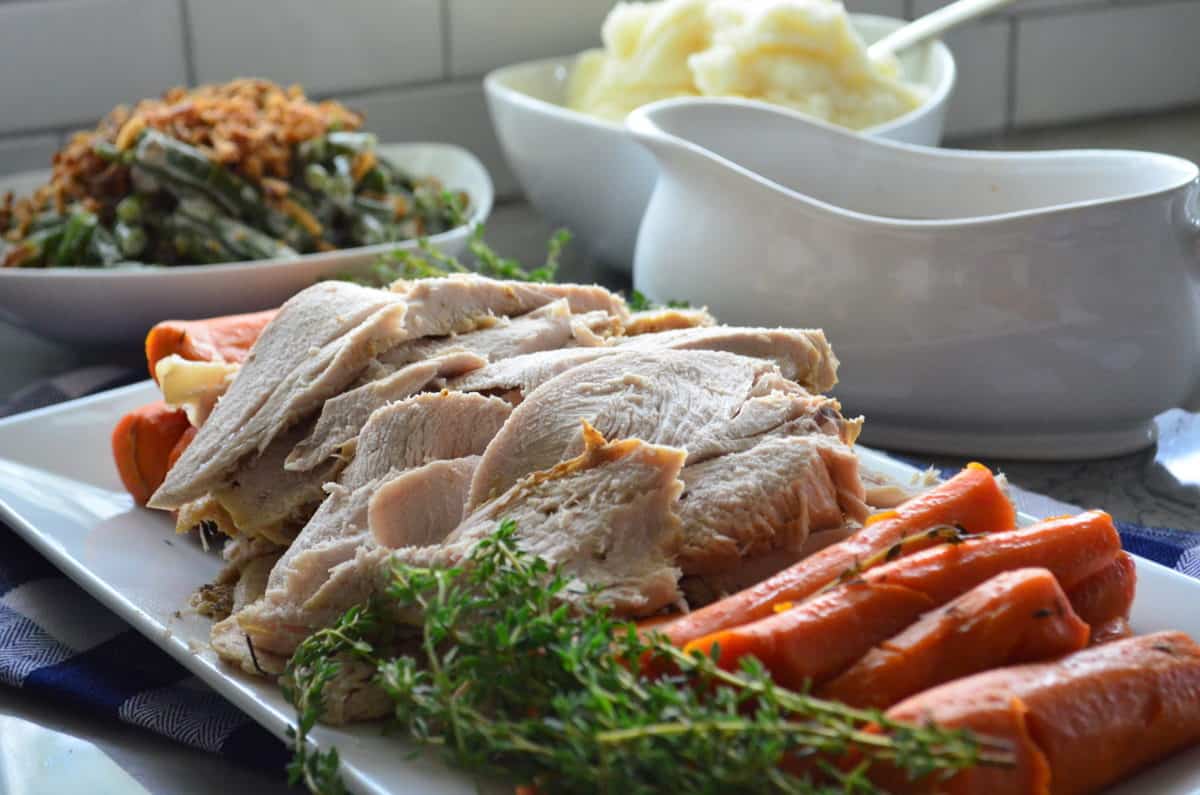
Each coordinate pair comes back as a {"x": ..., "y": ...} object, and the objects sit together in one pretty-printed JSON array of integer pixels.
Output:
[
  {"x": 638, "y": 302},
  {"x": 429, "y": 261},
  {"x": 314, "y": 665},
  {"x": 513, "y": 682}
]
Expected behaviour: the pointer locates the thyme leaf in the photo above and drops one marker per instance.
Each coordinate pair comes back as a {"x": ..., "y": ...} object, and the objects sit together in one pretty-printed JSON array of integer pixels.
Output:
[{"x": 512, "y": 682}]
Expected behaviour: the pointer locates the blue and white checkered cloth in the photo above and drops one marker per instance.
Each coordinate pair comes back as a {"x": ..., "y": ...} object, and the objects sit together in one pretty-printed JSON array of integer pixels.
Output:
[
  {"x": 57, "y": 641},
  {"x": 60, "y": 643}
]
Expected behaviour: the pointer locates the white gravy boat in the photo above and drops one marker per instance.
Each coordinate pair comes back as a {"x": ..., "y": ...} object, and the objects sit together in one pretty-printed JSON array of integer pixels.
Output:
[{"x": 1023, "y": 305}]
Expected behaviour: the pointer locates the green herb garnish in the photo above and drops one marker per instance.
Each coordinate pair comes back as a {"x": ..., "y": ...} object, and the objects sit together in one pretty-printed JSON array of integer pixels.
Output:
[
  {"x": 511, "y": 682},
  {"x": 428, "y": 261}
]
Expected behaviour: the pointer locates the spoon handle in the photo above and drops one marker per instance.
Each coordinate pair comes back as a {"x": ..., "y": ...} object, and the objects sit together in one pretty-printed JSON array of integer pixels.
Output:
[{"x": 931, "y": 25}]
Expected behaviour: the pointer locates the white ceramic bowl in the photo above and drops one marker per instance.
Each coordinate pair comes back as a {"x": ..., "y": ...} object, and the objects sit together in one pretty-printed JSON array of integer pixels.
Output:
[
  {"x": 585, "y": 173},
  {"x": 1033, "y": 305},
  {"x": 94, "y": 306}
]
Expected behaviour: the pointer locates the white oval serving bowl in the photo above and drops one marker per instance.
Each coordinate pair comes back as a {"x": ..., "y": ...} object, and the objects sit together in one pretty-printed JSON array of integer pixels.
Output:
[
  {"x": 585, "y": 173},
  {"x": 1024, "y": 305},
  {"x": 96, "y": 306}
]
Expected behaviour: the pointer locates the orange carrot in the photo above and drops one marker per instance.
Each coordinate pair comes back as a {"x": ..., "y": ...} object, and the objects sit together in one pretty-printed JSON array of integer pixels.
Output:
[
  {"x": 796, "y": 644},
  {"x": 1105, "y": 599},
  {"x": 1016, "y": 617},
  {"x": 972, "y": 500},
  {"x": 1072, "y": 547},
  {"x": 218, "y": 339},
  {"x": 656, "y": 621},
  {"x": 1079, "y": 724},
  {"x": 1117, "y": 629},
  {"x": 147, "y": 441},
  {"x": 181, "y": 445},
  {"x": 815, "y": 641},
  {"x": 142, "y": 443}
]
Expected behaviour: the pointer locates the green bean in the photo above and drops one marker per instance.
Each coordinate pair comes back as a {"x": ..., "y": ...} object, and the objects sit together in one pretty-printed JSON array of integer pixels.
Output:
[
  {"x": 197, "y": 208},
  {"x": 178, "y": 162},
  {"x": 341, "y": 182},
  {"x": 131, "y": 209},
  {"x": 131, "y": 238},
  {"x": 193, "y": 241},
  {"x": 315, "y": 176},
  {"x": 240, "y": 239},
  {"x": 47, "y": 219},
  {"x": 367, "y": 230},
  {"x": 396, "y": 175},
  {"x": 38, "y": 249},
  {"x": 103, "y": 248},
  {"x": 376, "y": 180},
  {"x": 318, "y": 150},
  {"x": 108, "y": 151},
  {"x": 314, "y": 150},
  {"x": 249, "y": 242},
  {"x": 383, "y": 210},
  {"x": 76, "y": 233},
  {"x": 351, "y": 143},
  {"x": 284, "y": 227}
]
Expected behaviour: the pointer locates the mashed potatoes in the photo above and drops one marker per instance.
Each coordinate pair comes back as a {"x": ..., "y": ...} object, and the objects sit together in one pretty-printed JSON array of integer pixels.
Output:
[{"x": 800, "y": 53}]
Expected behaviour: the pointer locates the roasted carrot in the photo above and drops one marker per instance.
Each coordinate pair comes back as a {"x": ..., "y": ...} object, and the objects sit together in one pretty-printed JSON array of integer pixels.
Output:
[
  {"x": 971, "y": 500},
  {"x": 1117, "y": 629},
  {"x": 181, "y": 445},
  {"x": 1016, "y": 617},
  {"x": 1104, "y": 599},
  {"x": 218, "y": 339},
  {"x": 1080, "y": 723},
  {"x": 142, "y": 444},
  {"x": 1072, "y": 547},
  {"x": 147, "y": 441},
  {"x": 815, "y": 641},
  {"x": 795, "y": 644},
  {"x": 655, "y": 621}
]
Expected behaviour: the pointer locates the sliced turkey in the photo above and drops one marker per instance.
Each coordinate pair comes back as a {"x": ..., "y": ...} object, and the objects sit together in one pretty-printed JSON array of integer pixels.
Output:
[
  {"x": 343, "y": 417},
  {"x": 765, "y": 499},
  {"x": 651, "y": 321},
  {"x": 802, "y": 355},
  {"x": 323, "y": 339},
  {"x": 545, "y": 328},
  {"x": 320, "y": 341},
  {"x": 708, "y": 402},
  {"x": 423, "y": 505},
  {"x": 399, "y": 437},
  {"x": 605, "y": 518},
  {"x": 549, "y": 327},
  {"x": 265, "y": 500}
]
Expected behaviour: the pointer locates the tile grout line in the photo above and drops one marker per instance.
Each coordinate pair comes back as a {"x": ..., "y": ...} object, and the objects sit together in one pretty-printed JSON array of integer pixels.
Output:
[
  {"x": 1010, "y": 97},
  {"x": 189, "y": 57},
  {"x": 1089, "y": 8}
]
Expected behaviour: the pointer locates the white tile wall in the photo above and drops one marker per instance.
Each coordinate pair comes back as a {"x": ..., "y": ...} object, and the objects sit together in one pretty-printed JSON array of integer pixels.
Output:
[
  {"x": 980, "y": 103},
  {"x": 324, "y": 46},
  {"x": 454, "y": 112},
  {"x": 68, "y": 62},
  {"x": 887, "y": 8},
  {"x": 27, "y": 152},
  {"x": 485, "y": 34},
  {"x": 1098, "y": 62},
  {"x": 1018, "y": 8},
  {"x": 414, "y": 65}
]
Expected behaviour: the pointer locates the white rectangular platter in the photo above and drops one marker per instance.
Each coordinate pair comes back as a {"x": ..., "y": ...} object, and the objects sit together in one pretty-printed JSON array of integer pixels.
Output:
[{"x": 60, "y": 491}]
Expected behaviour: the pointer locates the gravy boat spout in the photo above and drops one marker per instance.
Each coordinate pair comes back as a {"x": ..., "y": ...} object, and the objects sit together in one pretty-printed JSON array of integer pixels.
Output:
[{"x": 1037, "y": 305}]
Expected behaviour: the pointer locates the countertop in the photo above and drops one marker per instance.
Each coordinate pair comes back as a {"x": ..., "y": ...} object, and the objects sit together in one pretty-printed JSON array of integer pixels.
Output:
[{"x": 1117, "y": 485}]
